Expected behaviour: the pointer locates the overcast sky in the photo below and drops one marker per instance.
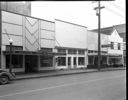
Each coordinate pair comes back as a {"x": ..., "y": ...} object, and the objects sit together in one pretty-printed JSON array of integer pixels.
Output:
[{"x": 81, "y": 12}]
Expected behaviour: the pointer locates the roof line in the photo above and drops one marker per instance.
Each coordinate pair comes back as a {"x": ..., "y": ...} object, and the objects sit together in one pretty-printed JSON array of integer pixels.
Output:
[
  {"x": 70, "y": 23},
  {"x": 27, "y": 16}
]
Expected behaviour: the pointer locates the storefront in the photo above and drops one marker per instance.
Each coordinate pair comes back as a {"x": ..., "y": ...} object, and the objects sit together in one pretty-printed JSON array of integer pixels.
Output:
[
  {"x": 26, "y": 61},
  {"x": 74, "y": 58},
  {"x": 115, "y": 60}
]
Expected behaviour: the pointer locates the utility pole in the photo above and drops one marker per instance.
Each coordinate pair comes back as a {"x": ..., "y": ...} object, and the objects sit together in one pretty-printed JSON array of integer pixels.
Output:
[
  {"x": 0, "y": 37},
  {"x": 99, "y": 40}
]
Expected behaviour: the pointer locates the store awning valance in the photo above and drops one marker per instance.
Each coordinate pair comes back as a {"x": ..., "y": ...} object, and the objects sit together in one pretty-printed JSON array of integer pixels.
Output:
[{"x": 33, "y": 53}]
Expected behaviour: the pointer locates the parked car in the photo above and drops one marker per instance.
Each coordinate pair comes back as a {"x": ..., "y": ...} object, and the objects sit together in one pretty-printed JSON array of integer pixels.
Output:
[{"x": 6, "y": 77}]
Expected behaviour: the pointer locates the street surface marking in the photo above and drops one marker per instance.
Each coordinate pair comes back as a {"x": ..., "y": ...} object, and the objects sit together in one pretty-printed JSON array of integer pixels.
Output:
[{"x": 59, "y": 86}]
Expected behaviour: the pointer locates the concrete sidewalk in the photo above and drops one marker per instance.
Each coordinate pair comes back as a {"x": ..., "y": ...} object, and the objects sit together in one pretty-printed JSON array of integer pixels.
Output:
[{"x": 62, "y": 72}]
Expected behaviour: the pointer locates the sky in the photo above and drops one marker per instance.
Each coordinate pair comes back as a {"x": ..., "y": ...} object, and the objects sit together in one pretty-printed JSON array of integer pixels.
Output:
[{"x": 81, "y": 12}]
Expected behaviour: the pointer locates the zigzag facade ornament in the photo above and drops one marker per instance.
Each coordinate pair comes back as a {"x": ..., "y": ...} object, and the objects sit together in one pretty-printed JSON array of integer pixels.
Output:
[{"x": 31, "y": 34}]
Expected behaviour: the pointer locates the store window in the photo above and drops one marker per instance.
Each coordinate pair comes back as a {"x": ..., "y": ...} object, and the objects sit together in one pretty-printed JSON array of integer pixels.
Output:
[
  {"x": 46, "y": 61},
  {"x": 61, "y": 61},
  {"x": 80, "y": 60},
  {"x": 17, "y": 61}
]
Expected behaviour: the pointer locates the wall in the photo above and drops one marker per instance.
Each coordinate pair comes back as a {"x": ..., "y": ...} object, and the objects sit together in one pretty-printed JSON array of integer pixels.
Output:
[
  {"x": 29, "y": 32},
  {"x": 93, "y": 41},
  {"x": 70, "y": 35},
  {"x": 47, "y": 34},
  {"x": 114, "y": 37}
]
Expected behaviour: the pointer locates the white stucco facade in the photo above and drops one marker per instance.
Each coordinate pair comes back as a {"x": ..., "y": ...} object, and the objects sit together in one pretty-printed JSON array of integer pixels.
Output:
[
  {"x": 71, "y": 38},
  {"x": 28, "y": 33}
]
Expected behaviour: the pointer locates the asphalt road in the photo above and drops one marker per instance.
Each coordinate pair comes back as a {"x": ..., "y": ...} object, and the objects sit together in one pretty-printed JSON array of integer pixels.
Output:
[{"x": 109, "y": 85}]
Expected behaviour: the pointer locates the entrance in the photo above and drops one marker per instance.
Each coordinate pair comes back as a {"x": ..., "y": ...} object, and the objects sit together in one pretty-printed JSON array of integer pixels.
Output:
[
  {"x": 31, "y": 63},
  {"x": 74, "y": 62},
  {"x": 69, "y": 62}
]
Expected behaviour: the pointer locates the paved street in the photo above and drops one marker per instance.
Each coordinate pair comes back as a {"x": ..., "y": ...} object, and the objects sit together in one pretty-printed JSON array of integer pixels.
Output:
[{"x": 109, "y": 85}]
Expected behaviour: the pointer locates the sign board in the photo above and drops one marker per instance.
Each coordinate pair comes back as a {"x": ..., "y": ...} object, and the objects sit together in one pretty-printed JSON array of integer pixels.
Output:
[{"x": 106, "y": 45}]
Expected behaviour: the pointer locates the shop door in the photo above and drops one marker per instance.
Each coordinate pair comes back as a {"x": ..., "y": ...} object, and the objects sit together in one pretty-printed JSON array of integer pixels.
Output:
[
  {"x": 69, "y": 62},
  {"x": 74, "y": 62},
  {"x": 31, "y": 63}
]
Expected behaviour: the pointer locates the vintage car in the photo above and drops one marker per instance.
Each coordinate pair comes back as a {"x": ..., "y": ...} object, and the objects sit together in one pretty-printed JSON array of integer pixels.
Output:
[{"x": 6, "y": 77}]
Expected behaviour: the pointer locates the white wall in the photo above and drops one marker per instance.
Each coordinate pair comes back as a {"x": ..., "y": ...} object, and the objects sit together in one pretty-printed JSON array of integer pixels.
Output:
[
  {"x": 11, "y": 18},
  {"x": 93, "y": 40},
  {"x": 47, "y": 34},
  {"x": 11, "y": 28},
  {"x": 29, "y": 32},
  {"x": 70, "y": 35},
  {"x": 114, "y": 37}
]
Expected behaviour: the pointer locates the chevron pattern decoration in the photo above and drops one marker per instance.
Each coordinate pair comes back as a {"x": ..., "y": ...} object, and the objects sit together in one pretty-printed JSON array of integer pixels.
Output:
[{"x": 31, "y": 34}]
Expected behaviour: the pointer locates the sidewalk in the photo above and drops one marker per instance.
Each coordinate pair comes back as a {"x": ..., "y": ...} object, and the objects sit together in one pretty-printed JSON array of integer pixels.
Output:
[{"x": 62, "y": 72}]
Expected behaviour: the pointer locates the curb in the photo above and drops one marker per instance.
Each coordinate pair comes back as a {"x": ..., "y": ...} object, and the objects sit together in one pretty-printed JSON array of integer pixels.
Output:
[{"x": 62, "y": 74}]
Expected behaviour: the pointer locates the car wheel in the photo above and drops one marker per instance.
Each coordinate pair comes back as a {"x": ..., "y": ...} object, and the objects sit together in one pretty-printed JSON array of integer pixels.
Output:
[{"x": 4, "y": 80}]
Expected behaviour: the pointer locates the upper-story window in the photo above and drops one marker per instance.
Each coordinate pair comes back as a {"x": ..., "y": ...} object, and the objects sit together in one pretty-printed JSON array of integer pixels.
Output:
[
  {"x": 119, "y": 47},
  {"x": 71, "y": 51},
  {"x": 112, "y": 45},
  {"x": 62, "y": 50},
  {"x": 81, "y": 52}
]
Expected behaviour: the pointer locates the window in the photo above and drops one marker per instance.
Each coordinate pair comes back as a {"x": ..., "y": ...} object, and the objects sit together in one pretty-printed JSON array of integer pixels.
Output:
[
  {"x": 80, "y": 60},
  {"x": 61, "y": 61},
  {"x": 70, "y": 51},
  {"x": 17, "y": 61},
  {"x": 112, "y": 45},
  {"x": 46, "y": 61},
  {"x": 46, "y": 49},
  {"x": 81, "y": 52},
  {"x": 14, "y": 48},
  {"x": 119, "y": 46},
  {"x": 62, "y": 50},
  {"x": 90, "y": 51}
]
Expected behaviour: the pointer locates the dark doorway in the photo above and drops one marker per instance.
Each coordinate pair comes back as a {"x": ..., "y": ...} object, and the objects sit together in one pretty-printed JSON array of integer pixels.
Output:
[
  {"x": 31, "y": 63},
  {"x": 74, "y": 61},
  {"x": 69, "y": 62}
]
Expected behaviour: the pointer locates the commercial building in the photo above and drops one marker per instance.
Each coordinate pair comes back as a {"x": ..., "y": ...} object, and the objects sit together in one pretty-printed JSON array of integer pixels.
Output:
[
  {"x": 35, "y": 43},
  {"x": 93, "y": 49},
  {"x": 114, "y": 46},
  {"x": 40, "y": 44},
  {"x": 71, "y": 39},
  {"x": 121, "y": 29}
]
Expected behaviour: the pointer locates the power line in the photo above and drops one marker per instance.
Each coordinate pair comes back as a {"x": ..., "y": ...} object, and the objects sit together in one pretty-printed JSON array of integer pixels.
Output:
[
  {"x": 116, "y": 6},
  {"x": 115, "y": 12}
]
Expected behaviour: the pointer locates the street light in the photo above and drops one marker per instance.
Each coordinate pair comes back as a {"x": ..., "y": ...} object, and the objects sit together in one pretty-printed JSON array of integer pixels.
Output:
[{"x": 10, "y": 64}]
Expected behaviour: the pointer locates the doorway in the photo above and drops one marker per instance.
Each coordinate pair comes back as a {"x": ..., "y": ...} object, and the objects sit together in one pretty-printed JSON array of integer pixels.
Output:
[
  {"x": 74, "y": 62},
  {"x": 69, "y": 62},
  {"x": 31, "y": 63}
]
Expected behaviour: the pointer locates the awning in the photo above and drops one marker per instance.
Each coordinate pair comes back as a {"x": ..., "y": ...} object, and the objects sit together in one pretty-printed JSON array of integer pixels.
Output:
[{"x": 33, "y": 53}]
